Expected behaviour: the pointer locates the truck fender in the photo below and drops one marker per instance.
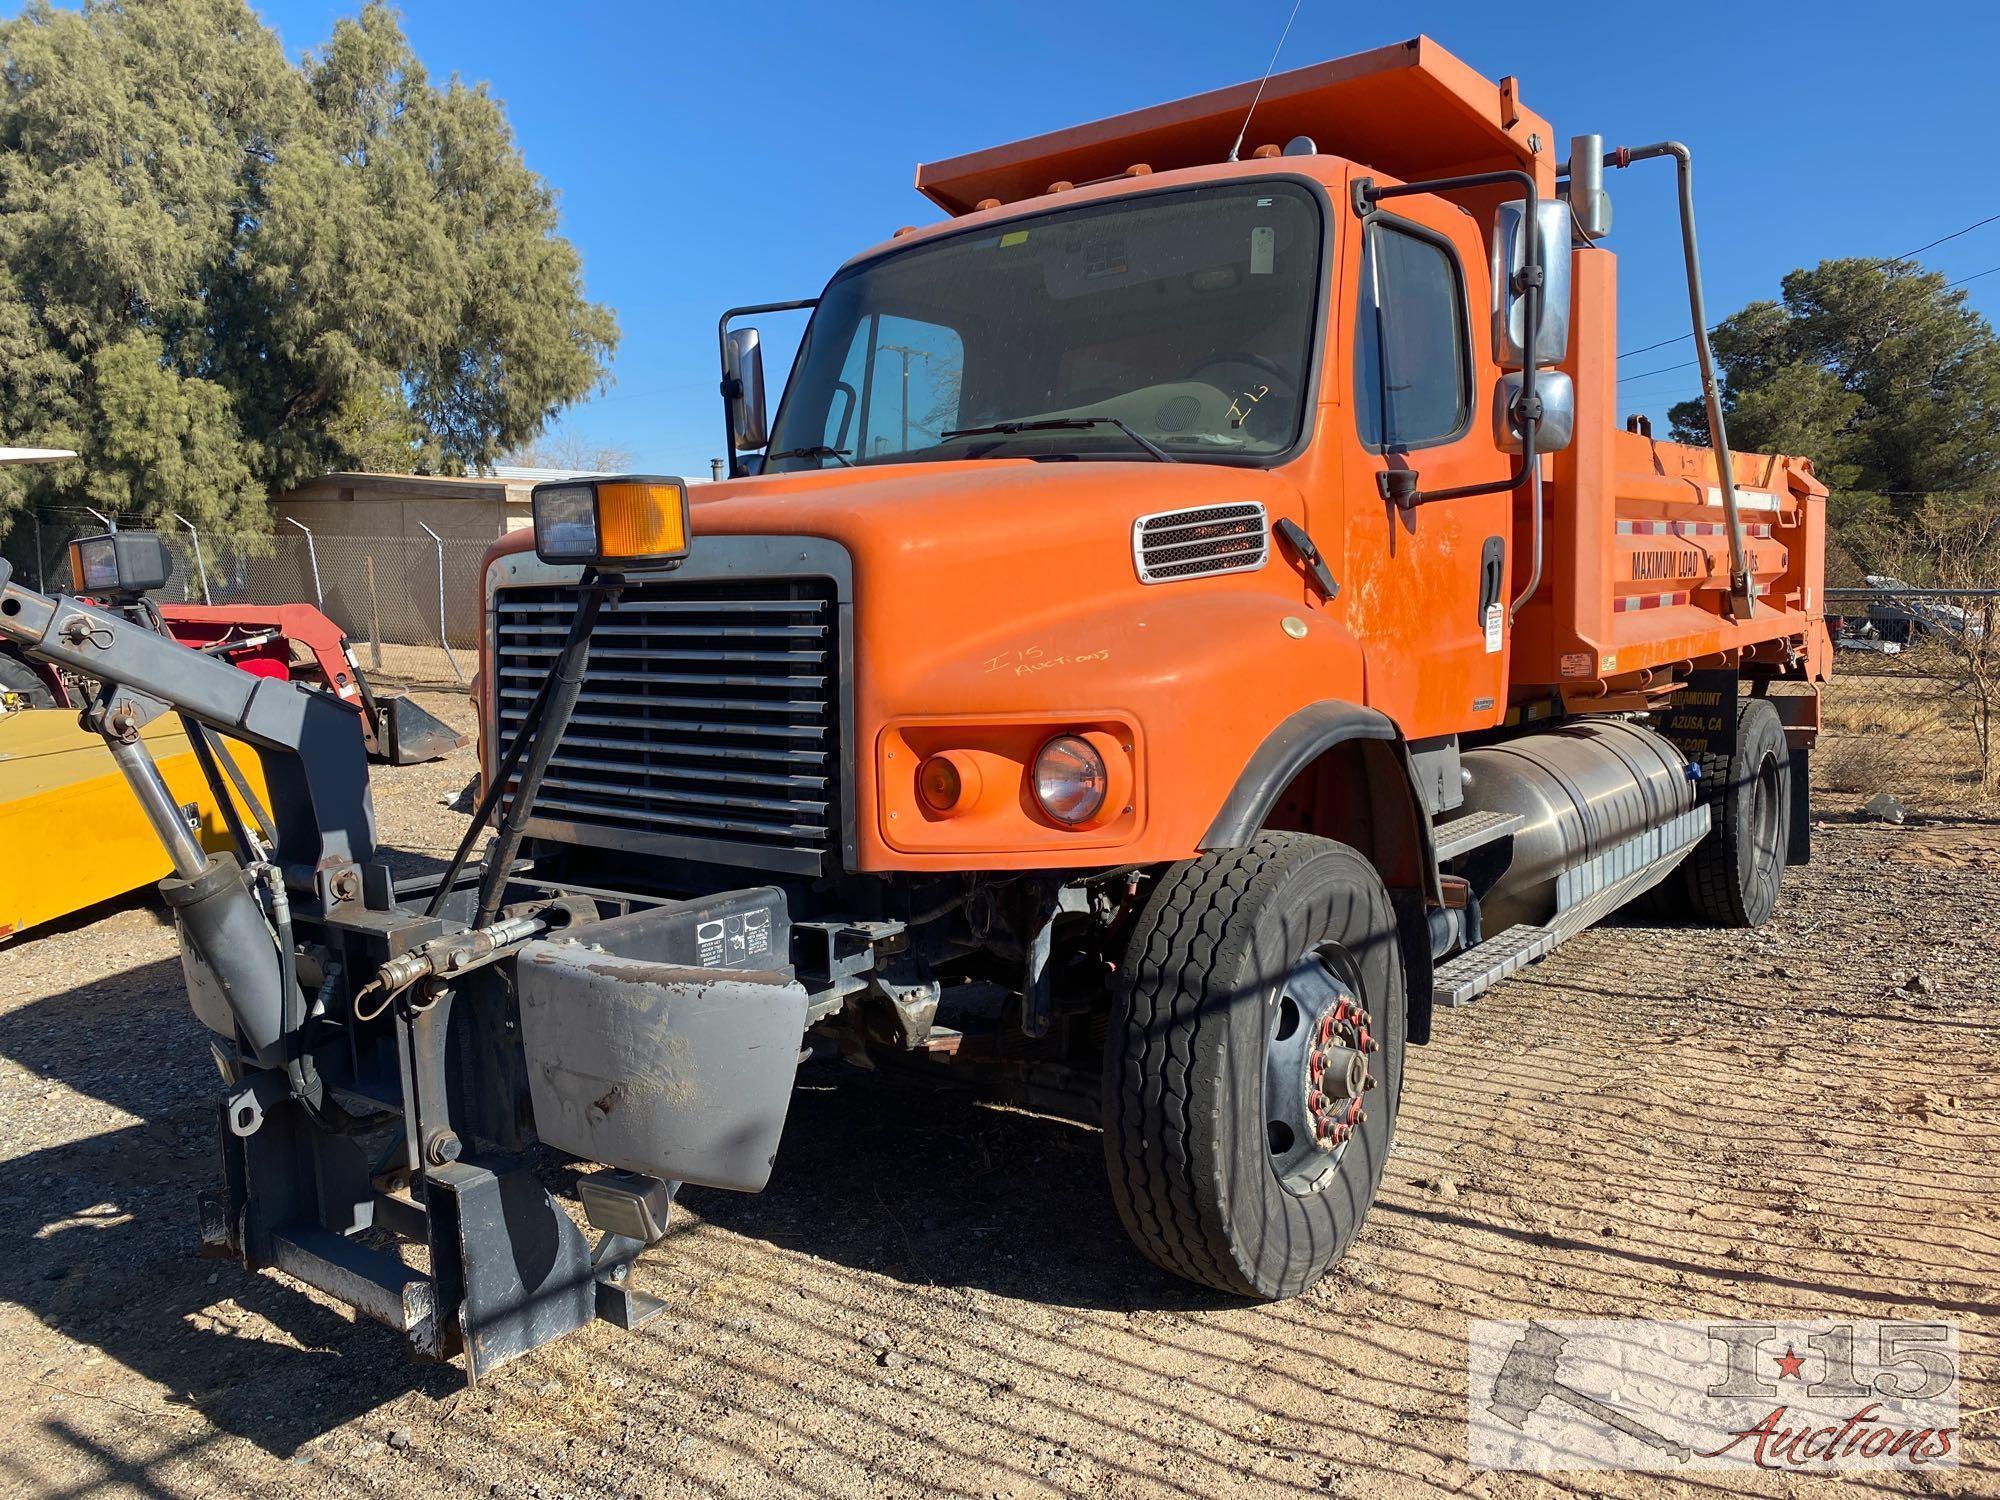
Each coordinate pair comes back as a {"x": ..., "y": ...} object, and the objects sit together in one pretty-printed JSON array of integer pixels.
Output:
[{"x": 1361, "y": 752}]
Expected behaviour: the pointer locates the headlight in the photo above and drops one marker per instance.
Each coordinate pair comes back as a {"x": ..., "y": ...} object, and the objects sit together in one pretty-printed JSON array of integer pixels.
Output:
[
  {"x": 93, "y": 565},
  {"x": 632, "y": 521},
  {"x": 566, "y": 523},
  {"x": 1071, "y": 779},
  {"x": 119, "y": 562}
]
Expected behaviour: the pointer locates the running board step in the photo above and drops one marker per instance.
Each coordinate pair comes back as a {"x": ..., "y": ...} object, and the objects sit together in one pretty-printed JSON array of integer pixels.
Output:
[
  {"x": 1463, "y": 835},
  {"x": 1461, "y": 980}
]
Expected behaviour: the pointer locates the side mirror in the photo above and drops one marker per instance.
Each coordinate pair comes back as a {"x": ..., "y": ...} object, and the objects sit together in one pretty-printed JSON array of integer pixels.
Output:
[
  {"x": 743, "y": 387},
  {"x": 1558, "y": 397},
  {"x": 1510, "y": 307}
]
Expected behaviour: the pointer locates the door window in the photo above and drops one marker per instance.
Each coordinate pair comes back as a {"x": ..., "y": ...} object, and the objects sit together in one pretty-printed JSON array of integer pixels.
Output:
[{"x": 1413, "y": 381}]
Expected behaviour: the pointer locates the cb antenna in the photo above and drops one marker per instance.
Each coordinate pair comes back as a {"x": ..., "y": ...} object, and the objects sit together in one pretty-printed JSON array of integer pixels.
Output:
[{"x": 1256, "y": 98}]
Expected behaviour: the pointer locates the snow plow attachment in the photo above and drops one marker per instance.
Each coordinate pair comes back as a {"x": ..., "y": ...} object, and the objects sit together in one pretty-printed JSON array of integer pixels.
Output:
[{"x": 392, "y": 1065}]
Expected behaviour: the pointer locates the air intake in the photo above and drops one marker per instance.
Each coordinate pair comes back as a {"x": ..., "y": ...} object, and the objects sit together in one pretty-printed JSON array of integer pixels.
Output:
[{"x": 1200, "y": 542}]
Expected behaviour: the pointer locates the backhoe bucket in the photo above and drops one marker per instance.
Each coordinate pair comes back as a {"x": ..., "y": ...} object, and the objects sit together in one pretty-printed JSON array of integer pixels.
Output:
[{"x": 407, "y": 734}]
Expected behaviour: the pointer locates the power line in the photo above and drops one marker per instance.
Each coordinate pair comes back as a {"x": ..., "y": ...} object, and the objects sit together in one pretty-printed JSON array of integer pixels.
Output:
[
  {"x": 1989, "y": 219},
  {"x": 1663, "y": 370},
  {"x": 1882, "y": 261}
]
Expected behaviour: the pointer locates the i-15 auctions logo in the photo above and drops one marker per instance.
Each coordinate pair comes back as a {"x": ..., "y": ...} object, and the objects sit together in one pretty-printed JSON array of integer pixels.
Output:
[{"x": 1814, "y": 1397}]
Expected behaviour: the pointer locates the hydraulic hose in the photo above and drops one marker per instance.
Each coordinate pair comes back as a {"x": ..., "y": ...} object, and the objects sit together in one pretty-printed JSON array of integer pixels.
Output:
[
  {"x": 1711, "y": 393},
  {"x": 503, "y": 772},
  {"x": 566, "y": 683},
  {"x": 299, "y": 1069}
]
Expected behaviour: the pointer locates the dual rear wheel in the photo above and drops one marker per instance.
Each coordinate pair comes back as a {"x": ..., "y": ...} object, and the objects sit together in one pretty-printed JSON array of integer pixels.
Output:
[{"x": 1732, "y": 877}]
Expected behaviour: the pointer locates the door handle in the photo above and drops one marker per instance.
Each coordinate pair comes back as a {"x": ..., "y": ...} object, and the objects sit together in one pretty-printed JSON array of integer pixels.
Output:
[{"x": 1492, "y": 570}]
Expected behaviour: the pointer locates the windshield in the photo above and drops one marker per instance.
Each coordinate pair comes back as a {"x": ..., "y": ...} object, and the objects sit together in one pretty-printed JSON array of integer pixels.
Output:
[{"x": 1185, "y": 317}]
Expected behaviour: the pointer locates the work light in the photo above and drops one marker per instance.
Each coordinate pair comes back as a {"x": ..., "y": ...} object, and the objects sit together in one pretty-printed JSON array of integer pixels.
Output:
[
  {"x": 625, "y": 521},
  {"x": 119, "y": 563}
]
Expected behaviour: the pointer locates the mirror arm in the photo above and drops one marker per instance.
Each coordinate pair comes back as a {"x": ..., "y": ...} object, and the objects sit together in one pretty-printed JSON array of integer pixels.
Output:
[
  {"x": 1529, "y": 281},
  {"x": 1413, "y": 498},
  {"x": 731, "y": 389}
]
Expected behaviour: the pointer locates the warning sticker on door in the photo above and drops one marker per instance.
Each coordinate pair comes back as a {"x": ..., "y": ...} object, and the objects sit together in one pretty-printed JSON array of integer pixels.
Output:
[
  {"x": 729, "y": 942},
  {"x": 1496, "y": 620}
]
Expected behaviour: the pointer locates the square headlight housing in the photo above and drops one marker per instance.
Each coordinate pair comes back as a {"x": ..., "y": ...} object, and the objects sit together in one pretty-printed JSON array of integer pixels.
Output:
[
  {"x": 127, "y": 563},
  {"x": 624, "y": 521}
]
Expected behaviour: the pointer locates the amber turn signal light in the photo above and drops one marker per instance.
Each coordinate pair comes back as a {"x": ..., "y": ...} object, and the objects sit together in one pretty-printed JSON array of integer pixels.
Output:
[
  {"x": 949, "y": 782},
  {"x": 630, "y": 521}
]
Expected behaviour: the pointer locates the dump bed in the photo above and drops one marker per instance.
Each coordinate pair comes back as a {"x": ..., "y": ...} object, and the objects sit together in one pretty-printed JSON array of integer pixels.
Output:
[
  {"x": 1410, "y": 109},
  {"x": 1638, "y": 564}
]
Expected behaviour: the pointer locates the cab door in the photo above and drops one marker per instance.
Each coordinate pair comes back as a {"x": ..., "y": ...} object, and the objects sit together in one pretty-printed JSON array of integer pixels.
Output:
[{"x": 1430, "y": 580}]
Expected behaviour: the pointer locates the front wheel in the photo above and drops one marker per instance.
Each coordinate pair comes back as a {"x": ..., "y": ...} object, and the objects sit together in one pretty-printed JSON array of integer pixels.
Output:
[{"x": 1254, "y": 1063}]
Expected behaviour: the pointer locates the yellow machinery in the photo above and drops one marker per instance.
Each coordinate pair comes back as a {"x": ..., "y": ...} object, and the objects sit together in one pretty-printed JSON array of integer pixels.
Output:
[{"x": 70, "y": 832}]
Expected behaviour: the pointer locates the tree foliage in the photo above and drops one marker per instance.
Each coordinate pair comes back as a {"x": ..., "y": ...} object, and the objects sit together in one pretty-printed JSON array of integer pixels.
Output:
[
  {"x": 580, "y": 455},
  {"x": 1876, "y": 370},
  {"x": 223, "y": 273}
]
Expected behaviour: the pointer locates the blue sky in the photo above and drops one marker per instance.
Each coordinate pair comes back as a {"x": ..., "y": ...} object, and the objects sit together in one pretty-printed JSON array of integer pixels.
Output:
[{"x": 710, "y": 155}]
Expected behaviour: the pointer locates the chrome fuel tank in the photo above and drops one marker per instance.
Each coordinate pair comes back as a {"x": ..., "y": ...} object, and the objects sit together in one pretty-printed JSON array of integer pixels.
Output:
[{"x": 1594, "y": 796}]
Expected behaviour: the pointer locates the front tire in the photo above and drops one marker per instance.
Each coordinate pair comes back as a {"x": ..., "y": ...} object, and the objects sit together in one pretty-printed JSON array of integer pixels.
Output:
[{"x": 1254, "y": 1064}]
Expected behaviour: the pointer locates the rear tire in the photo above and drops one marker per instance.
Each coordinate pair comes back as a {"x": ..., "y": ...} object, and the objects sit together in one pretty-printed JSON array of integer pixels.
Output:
[
  {"x": 1733, "y": 875},
  {"x": 1256, "y": 980}
]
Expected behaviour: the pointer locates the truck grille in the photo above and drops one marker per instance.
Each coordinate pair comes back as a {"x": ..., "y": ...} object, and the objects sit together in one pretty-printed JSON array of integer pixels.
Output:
[
  {"x": 1200, "y": 541},
  {"x": 707, "y": 726}
]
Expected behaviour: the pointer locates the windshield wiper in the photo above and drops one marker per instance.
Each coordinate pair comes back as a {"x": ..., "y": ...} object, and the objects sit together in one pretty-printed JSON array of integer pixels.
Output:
[
  {"x": 815, "y": 450},
  {"x": 1060, "y": 424}
]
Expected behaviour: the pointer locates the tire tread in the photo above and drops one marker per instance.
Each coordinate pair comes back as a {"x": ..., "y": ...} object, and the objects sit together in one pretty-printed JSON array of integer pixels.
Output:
[{"x": 1161, "y": 1178}]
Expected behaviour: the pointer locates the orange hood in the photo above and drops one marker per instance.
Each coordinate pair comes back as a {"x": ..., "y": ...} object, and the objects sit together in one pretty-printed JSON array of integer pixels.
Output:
[{"x": 1005, "y": 591}]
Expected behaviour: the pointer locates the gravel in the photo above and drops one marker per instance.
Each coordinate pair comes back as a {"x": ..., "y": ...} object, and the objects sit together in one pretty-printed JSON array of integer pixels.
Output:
[{"x": 934, "y": 1297}]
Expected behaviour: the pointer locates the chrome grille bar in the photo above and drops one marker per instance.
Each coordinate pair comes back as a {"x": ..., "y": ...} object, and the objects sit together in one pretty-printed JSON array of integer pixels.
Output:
[{"x": 708, "y": 722}]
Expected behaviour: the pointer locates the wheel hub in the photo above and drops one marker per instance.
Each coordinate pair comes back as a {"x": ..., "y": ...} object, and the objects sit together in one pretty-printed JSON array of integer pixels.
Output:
[{"x": 1316, "y": 1073}]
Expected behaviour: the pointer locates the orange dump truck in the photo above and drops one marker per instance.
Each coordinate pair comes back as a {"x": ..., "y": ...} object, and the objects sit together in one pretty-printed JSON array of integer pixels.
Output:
[{"x": 1195, "y": 611}]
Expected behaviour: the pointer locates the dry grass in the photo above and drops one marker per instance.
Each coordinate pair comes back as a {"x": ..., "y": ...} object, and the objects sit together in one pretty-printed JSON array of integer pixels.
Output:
[{"x": 1900, "y": 732}]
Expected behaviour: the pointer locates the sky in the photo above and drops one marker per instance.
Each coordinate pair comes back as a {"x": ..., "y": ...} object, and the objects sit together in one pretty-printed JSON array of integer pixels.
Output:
[{"x": 713, "y": 155}]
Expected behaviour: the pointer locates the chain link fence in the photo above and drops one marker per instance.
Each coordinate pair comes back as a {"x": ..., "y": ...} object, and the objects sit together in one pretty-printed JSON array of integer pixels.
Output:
[
  {"x": 410, "y": 605},
  {"x": 1914, "y": 708}
]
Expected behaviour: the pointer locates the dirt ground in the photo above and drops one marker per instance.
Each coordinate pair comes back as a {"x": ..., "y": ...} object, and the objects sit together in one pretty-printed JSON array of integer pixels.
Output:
[{"x": 935, "y": 1297}]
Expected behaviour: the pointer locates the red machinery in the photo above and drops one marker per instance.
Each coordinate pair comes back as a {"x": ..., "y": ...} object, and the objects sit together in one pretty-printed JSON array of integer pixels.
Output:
[{"x": 293, "y": 643}]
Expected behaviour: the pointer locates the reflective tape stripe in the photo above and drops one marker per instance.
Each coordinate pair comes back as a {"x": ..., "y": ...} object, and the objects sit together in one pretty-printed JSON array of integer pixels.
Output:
[
  {"x": 1687, "y": 528},
  {"x": 1629, "y": 602}
]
